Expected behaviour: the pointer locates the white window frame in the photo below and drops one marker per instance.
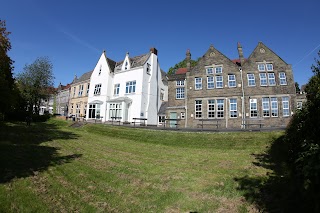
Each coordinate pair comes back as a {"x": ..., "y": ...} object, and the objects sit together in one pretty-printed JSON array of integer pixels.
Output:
[
  {"x": 88, "y": 86},
  {"x": 283, "y": 78},
  {"x": 269, "y": 66},
  {"x": 232, "y": 82},
  {"x": 219, "y": 83},
  {"x": 263, "y": 79},
  {"x": 285, "y": 106},
  {"x": 198, "y": 109},
  {"x": 180, "y": 93},
  {"x": 266, "y": 107},
  {"x": 74, "y": 92},
  {"x": 261, "y": 67},
  {"x": 253, "y": 110},
  {"x": 197, "y": 83},
  {"x": 209, "y": 70},
  {"x": 218, "y": 70},
  {"x": 210, "y": 82},
  {"x": 116, "y": 89},
  {"x": 249, "y": 75},
  {"x": 271, "y": 79},
  {"x": 220, "y": 108},
  {"x": 233, "y": 108},
  {"x": 97, "y": 89},
  {"x": 274, "y": 107},
  {"x": 211, "y": 108},
  {"x": 130, "y": 87},
  {"x": 80, "y": 90},
  {"x": 180, "y": 83}
]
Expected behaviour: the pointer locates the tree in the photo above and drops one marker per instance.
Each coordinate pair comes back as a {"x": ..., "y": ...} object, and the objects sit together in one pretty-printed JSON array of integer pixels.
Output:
[
  {"x": 6, "y": 67},
  {"x": 35, "y": 82},
  {"x": 181, "y": 64},
  {"x": 296, "y": 84}
]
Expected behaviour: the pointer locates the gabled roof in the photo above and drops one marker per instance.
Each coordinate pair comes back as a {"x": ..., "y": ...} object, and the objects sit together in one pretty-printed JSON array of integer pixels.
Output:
[
  {"x": 84, "y": 77},
  {"x": 136, "y": 61},
  {"x": 182, "y": 71},
  {"x": 112, "y": 64},
  {"x": 163, "y": 107},
  {"x": 163, "y": 76}
]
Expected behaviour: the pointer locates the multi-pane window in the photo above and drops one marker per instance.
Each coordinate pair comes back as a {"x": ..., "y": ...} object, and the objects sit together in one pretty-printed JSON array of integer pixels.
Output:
[
  {"x": 265, "y": 107},
  {"x": 130, "y": 87},
  {"x": 285, "y": 106},
  {"x": 253, "y": 108},
  {"x": 116, "y": 89},
  {"x": 97, "y": 89},
  {"x": 211, "y": 110},
  {"x": 210, "y": 82},
  {"x": 274, "y": 107},
  {"x": 219, "y": 81},
  {"x": 94, "y": 110},
  {"x": 88, "y": 86},
  {"x": 251, "y": 80},
  {"x": 77, "y": 110},
  {"x": 74, "y": 92},
  {"x": 269, "y": 67},
  {"x": 263, "y": 79},
  {"x": 115, "y": 110},
  {"x": 210, "y": 70},
  {"x": 80, "y": 90},
  {"x": 271, "y": 78},
  {"x": 283, "y": 78},
  {"x": 220, "y": 108},
  {"x": 180, "y": 93},
  {"x": 233, "y": 108},
  {"x": 231, "y": 80},
  {"x": 218, "y": 70},
  {"x": 198, "y": 108},
  {"x": 180, "y": 82},
  {"x": 198, "y": 83},
  {"x": 261, "y": 67}
]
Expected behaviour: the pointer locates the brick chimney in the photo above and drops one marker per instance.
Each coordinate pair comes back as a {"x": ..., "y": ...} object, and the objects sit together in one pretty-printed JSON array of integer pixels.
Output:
[
  {"x": 240, "y": 53},
  {"x": 188, "y": 59},
  {"x": 154, "y": 50}
]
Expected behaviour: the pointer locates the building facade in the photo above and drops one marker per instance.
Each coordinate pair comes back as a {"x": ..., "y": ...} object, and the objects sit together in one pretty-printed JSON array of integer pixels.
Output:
[
  {"x": 62, "y": 99},
  {"x": 132, "y": 88},
  {"x": 78, "y": 95},
  {"x": 232, "y": 92}
]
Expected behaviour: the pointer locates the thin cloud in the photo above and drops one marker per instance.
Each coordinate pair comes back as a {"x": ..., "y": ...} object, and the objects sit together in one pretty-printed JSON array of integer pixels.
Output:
[{"x": 79, "y": 41}]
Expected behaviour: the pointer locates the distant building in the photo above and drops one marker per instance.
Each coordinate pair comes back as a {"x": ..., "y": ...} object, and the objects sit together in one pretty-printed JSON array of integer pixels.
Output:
[
  {"x": 62, "y": 99},
  {"x": 232, "y": 91}
]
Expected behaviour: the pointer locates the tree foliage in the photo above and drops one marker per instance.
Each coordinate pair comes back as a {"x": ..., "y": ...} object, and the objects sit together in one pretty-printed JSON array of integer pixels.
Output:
[
  {"x": 302, "y": 136},
  {"x": 36, "y": 81},
  {"x": 181, "y": 64},
  {"x": 296, "y": 84},
  {"x": 7, "y": 92}
]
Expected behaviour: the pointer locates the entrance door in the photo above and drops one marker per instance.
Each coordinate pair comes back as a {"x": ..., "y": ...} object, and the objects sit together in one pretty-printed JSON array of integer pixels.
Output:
[{"x": 173, "y": 115}]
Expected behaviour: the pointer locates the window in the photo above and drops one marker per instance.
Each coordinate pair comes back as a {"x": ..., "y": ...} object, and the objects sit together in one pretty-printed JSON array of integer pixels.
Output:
[
  {"x": 218, "y": 70},
  {"x": 253, "y": 108},
  {"x": 219, "y": 81},
  {"x": 210, "y": 70},
  {"x": 261, "y": 67},
  {"x": 74, "y": 92},
  {"x": 126, "y": 65},
  {"x": 77, "y": 110},
  {"x": 283, "y": 78},
  {"x": 97, "y": 89},
  {"x": 231, "y": 80},
  {"x": 100, "y": 70},
  {"x": 180, "y": 93},
  {"x": 88, "y": 86},
  {"x": 130, "y": 87},
  {"x": 274, "y": 107},
  {"x": 180, "y": 82},
  {"x": 148, "y": 68},
  {"x": 94, "y": 110},
  {"x": 251, "y": 80},
  {"x": 198, "y": 107},
  {"x": 263, "y": 79},
  {"x": 115, "y": 110},
  {"x": 211, "y": 110},
  {"x": 233, "y": 108},
  {"x": 80, "y": 90},
  {"x": 162, "y": 94},
  {"x": 210, "y": 82},
  {"x": 183, "y": 115},
  {"x": 271, "y": 78},
  {"x": 220, "y": 108},
  {"x": 198, "y": 83},
  {"x": 269, "y": 67},
  {"x": 285, "y": 106},
  {"x": 116, "y": 89},
  {"x": 265, "y": 107}
]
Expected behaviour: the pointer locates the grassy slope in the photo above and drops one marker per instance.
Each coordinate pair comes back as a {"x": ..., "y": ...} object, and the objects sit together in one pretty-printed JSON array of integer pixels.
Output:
[{"x": 111, "y": 168}]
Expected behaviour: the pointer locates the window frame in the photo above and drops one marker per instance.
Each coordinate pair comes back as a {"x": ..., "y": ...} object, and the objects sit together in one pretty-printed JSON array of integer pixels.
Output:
[
  {"x": 283, "y": 78},
  {"x": 267, "y": 66},
  {"x": 97, "y": 89},
  {"x": 234, "y": 81},
  {"x": 211, "y": 104},
  {"x": 249, "y": 80},
  {"x": 233, "y": 113},
  {"x": 273, "y": 79},
  {"x": 218, "y": 70},
  {"x": 197, "y": 85},
  {"x": 198, "y": 109},
  {"x": 260, "y": 66},
  {"x": 180, "y": 93},
  {"x": 285, "y": 102},
  {"x": 219, "y": 82},
  {"x": 179, "y": 82},
  {"x": 265, "y": 107},
  {"x": 210, "y": 82},
  {"x": 116, "y": 89},
  {"x": 253, "y": 111},
  {"x": 80, "y": 90},
  {"x": 220, "y": 112},
  {"x": 274, "y": 108},
  {"x": 131, "y": 87}
]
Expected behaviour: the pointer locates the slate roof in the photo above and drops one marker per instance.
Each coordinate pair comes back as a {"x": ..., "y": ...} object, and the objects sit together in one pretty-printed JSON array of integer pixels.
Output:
[
  {"x": 162, "y": 110},
  {"x": 84, "y": 77},
  {"x": 136, "y": 61},
  {"x": 112, "y": 64}
]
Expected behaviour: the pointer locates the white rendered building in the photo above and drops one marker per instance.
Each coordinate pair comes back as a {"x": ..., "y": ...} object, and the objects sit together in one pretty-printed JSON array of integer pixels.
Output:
[{"x": 132, "y": 88}]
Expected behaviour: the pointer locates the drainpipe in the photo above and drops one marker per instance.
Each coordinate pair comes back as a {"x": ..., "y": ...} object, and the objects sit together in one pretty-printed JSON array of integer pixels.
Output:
[{"x": 242, "y": 101}]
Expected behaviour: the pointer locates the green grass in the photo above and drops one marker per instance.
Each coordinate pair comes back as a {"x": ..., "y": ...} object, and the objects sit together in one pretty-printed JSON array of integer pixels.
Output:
[{"x": 51, "y": 167}]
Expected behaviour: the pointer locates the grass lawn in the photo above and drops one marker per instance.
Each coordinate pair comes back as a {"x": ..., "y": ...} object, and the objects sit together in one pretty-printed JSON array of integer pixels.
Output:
[{"x": 51, "y": 167}]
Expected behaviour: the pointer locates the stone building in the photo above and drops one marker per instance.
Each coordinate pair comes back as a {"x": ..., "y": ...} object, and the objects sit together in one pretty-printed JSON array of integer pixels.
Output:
[
  {"x": 62, "y": 99},
  {"x": 232, "y": 93},
  {"x": 79, "y": 90}
]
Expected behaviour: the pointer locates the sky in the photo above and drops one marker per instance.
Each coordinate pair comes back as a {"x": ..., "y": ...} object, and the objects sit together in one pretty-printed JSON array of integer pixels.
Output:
[{"x": 73, "y": 34}]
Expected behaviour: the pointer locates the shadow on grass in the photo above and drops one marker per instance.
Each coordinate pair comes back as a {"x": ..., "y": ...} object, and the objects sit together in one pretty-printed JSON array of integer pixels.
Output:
[
  {"x": 21, "y": 152},
  {"x": 276, "y": 192}
]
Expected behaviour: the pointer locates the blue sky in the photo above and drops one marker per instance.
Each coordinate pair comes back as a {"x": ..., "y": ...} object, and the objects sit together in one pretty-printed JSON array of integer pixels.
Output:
[{"x": 73, "y": 34}]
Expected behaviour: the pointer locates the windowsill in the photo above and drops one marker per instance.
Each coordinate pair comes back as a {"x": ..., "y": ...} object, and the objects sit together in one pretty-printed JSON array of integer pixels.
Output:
[
  {"x": 251, "y": 85},
  {"x": 96, "y": 94},
  {"x": 180, "y": 98},
  {"x": 219, "y": 87},
  {"x": 133, "y": 93},
  {"x": 210, "y": 88},
  {"x": 198, "y": 89},
  {"x": 283, "y": 84},
  {"x": 232, "y": 87}
]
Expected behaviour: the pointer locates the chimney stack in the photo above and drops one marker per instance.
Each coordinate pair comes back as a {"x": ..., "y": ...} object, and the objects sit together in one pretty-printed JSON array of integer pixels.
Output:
[
  {"x": 240, "y": 53},
  {"x": 188, "y": 59},
  {"x": 154, "y": 50}
]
